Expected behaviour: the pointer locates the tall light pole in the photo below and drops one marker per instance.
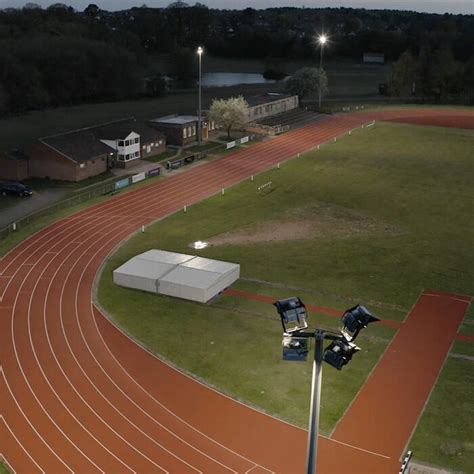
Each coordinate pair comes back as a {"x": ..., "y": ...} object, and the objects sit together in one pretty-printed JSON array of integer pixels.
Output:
[
  {"x": 200, "y": 50},
  {"x": 322, "y": 40},
  {"x": 339, "y": 352}
]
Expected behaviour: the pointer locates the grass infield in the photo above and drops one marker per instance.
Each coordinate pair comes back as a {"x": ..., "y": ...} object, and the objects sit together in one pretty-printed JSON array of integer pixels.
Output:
[{"x": 384, "y": 214}]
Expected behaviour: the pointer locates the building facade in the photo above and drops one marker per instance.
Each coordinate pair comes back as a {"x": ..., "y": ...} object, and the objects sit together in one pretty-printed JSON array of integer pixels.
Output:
[{"x": 266, "y": 105}]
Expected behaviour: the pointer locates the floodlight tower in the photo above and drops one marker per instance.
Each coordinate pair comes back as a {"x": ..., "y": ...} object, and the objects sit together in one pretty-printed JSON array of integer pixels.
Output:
[
  {"x": 322, "y": 40},
  {"x": 200, "y": 50},
  {"x": 338, "y": 353}
]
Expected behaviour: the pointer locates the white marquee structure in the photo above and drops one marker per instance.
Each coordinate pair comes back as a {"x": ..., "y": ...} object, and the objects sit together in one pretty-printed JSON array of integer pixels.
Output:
[{"x": 175, "y": 274}]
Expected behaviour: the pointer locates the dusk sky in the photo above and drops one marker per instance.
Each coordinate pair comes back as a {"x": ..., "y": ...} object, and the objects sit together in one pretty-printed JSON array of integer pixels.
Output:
[{"x": 432, "y": 6}]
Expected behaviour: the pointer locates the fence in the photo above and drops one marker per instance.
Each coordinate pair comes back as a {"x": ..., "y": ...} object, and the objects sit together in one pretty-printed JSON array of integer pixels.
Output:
[{"x": 97, "y": 191}]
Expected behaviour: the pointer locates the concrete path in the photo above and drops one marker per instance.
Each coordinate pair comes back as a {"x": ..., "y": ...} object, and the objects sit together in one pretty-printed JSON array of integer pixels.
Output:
[{"x": 18, "y": 207}]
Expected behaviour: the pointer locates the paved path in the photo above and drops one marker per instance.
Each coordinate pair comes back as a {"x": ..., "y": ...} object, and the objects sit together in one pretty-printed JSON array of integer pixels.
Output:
[
  {"x": 77, "y": 395},
  {"x": 19, "y": 207}
]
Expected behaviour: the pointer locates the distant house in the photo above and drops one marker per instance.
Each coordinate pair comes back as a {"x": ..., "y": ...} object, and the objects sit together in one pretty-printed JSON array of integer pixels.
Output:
[
  {"x": 182, "y": 130},
  {"x": 374, "y": 58},
  {"x": 13, "y": 165},
  {"x": 270, "y": 103},
  {"x": 79, "y": 154}
]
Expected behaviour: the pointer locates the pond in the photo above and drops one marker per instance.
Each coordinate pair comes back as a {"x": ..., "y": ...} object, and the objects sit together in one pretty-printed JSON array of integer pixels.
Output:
[{"x": 220, "y": 79}]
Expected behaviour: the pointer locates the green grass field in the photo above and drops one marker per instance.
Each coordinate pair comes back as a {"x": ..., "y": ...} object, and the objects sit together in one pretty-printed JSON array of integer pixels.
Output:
[{"x": 375, "y": 218}]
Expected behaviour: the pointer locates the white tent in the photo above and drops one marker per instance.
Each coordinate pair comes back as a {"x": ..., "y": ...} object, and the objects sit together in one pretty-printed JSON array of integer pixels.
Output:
[{"x": 180, "y": 275}]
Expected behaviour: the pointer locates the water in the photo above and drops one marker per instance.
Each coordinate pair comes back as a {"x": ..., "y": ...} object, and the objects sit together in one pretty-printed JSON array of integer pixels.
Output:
[{"x": 219, "y": 79}]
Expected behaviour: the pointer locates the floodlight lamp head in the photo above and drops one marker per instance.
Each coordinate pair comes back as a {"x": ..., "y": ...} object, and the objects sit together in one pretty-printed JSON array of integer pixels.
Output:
[
  {"x": 292, "y": 312},
  {"x": 200, "y": 50},
  {"x": 355, "y": 319},
  {"x": 322, "y": 39},
  {"x": 339, "y": 353}
]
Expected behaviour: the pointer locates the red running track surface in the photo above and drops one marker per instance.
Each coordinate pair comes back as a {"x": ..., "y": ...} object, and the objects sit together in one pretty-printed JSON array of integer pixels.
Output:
[{"x": 79, "y": 396}]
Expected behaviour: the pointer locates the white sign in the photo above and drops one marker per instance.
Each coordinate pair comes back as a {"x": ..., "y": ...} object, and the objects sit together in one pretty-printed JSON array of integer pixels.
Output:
[
  {"x": 230, "y": 145},
  {"x": 138, "y": 177},
  {"x": 244, "y": 139}
]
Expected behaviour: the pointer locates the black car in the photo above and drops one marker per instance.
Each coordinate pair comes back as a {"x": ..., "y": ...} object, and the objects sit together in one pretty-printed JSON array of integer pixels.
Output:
[{"x": 15, "y": 189}]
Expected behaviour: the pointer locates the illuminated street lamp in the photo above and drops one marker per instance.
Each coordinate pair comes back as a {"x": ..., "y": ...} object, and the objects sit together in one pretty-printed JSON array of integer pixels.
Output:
[
  {"x": 200, "y": 50},
  {"x": 338, "y": 353},
  {"x": 322, "y": 40}
]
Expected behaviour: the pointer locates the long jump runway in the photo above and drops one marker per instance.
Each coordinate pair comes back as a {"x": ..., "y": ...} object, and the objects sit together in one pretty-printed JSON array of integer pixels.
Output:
[{"x": 77, "y": 395}]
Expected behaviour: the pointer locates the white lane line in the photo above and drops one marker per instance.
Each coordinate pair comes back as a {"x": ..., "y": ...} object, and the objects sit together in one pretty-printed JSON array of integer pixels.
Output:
[
  {"x": 23, "y": 373},
  {"x": 91, "y": 236},
  {"x": 42, "y": 371},
  {"x": 66, "y": 278},
  {"x": 2, "y": 371},
  {"x": 2, "y": 456},
  {"x": 36, "y": 250},
  {"x": 356, "y": 447},
  {"x": 115, "y": 384}
]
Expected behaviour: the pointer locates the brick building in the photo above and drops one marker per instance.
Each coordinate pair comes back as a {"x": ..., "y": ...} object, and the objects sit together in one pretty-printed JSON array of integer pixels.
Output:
[
  {"x": 13, "y": 165},
  {"x": 182, "y": 129},
  {"x": 80, "y": 154}
]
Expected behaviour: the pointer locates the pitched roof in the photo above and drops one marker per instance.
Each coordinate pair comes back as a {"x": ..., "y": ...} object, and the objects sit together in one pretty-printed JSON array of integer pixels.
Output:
[{"x": 85, "y": 145}]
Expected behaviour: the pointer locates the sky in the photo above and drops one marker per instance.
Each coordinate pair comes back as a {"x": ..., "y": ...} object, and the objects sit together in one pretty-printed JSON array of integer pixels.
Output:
[{"x": 431, "y": 6}]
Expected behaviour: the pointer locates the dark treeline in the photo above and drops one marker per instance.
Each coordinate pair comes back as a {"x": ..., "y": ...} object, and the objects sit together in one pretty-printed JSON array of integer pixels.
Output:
[{"x": 58, "y": 56}]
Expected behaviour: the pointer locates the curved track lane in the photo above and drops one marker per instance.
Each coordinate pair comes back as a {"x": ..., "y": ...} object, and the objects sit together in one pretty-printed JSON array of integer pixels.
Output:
[{"x": 77, "y": 395}]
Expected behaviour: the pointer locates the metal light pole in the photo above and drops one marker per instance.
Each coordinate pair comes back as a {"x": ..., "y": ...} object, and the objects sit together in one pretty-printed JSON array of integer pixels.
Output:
[
  {"x": 293, "y": 319},
  {"x": 200, "y": 50},
  {"x": 322, "y": 41},
  {"x": 315, "y": 403}
]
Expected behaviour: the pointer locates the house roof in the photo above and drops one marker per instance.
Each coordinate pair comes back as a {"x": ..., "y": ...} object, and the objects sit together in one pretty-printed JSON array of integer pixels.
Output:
[{"x": 84, "y": 144}]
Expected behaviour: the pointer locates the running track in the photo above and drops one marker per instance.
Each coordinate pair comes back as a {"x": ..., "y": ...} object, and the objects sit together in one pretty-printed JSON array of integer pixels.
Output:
[{"x": 77, "y": 395}]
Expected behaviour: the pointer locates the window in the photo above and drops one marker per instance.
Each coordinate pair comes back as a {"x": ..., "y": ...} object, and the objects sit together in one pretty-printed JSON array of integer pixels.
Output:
[
  {"x": 121, "y": 157},
  {"x": 143, "y": 147},
  {"x": 185, "y": 132},
  {"x": 194, "y": 129},
  {"x": 127, "y": 142},
  {"x": 137, "y": 140},
  {"x": 190, "y": 131},
  {"x": 120, "y": 143}
]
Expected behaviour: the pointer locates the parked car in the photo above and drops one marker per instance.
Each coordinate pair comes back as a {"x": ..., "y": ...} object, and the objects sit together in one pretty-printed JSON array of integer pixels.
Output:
[{"x": 15, "y": 189}]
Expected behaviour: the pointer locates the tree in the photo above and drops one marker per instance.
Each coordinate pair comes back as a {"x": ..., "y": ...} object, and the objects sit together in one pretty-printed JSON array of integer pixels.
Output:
[
  {"x": 404, "y": 76},
  {"x": 229, "y": 113},
  {"x": 184, "y": 65},
  {"x": 274, "y": 68},
  {"x": 305, "y": 81},
  {"x": 92, "y": 10}
]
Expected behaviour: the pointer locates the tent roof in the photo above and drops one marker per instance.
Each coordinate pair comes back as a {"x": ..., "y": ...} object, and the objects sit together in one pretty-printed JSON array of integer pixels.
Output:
[
  {"x": 191, "y": 277},
  {"x": 144, "y": 268},
  {"x": 209, "y": 265},
  {"x": 164, "y": 256}
]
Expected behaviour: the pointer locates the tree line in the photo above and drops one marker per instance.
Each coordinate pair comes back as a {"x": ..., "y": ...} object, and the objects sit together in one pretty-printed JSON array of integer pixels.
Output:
[{"x": 58, "y": 56}]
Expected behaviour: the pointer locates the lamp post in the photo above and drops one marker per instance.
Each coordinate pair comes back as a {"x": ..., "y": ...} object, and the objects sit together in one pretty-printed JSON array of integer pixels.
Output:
[
  {"x": 337, "y": 354},
  {"x": 322, "y": 40},
  {"x": 200, "y": 50}
]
